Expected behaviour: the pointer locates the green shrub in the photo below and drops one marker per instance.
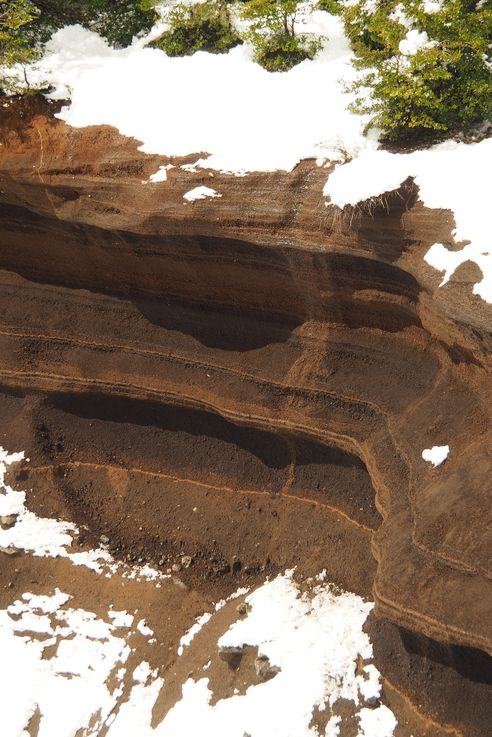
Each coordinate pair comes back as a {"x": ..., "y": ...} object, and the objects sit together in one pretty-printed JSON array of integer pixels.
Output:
[
  {"x": 443, "y": 86},
  {"x": 335, "y": 7},
  {"x": 117, "y": 20},
  {"x": 282, "y": 52},
  {"x": 272, "y": 33},
  {"x": 15, "y": 48},
  {"x": 205, "y": 26},
  {"x": 25, "y": 26}
]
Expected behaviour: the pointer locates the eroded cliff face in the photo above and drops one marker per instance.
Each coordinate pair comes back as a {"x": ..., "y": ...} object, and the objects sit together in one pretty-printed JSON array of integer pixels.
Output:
[{"x": 255, "y": 377}]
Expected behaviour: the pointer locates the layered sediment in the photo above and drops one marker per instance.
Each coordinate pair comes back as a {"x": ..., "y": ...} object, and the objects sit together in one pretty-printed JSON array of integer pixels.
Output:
[{"x": 254, "y": 377}]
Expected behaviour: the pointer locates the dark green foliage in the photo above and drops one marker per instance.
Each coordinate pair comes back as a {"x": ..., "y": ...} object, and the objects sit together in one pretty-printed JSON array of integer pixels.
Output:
[
  {"x": 281, "y": 53},
  {"x": 443, "y": 88},
  {"x": 15, "y": 48},
  {"x": 272, "y": 32},
  {"x": 15, "y": 16},
  {"x": 202, "y": 27},
  {"x": 335, "y": 7},
  {"x": 117, "y": 20},
  {"x": 25, "y": 25}
]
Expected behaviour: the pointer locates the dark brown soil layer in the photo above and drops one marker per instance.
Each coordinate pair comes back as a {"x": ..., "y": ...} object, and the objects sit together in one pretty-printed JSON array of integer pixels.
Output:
[{"x": 251, "y": 381}]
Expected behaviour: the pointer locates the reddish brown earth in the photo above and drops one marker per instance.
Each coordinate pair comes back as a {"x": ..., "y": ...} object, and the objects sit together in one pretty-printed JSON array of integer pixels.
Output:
[{"x": 251, "y": 380}]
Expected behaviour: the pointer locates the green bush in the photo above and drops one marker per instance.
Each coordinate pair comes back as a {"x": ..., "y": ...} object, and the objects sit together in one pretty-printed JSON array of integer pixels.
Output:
[
  {"x": 441, "y": 87},
  {"x": 117, "y": 20},
  {"x": 15, "y": 47},
  {"x": 272, "y": 33},
  {"x": 281, "y": 53},
  {"x": 205, "y": 26},
  {"x": 26, "y": 25},
  {"x": 335, "y": 7}
]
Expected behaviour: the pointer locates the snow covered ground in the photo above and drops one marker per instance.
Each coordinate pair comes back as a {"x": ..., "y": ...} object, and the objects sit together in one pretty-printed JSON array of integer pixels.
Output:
[
  {"x": 314, "y": 641},
  {"x": 69, "y": 668}
]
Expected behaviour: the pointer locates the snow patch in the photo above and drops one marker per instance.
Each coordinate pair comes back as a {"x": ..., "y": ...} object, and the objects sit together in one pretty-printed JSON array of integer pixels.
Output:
[
  {"x": 432, "y": 6},
  {"x": 413, "y": 42},
  {"x": 436, "y": 455},
  {"x": 144, "y": 629},
  {"x": 378, "y": 722},
  {"x": 200, "y": 193},
  {"x": 193, "y": 631},
  {"x": 68, "y": 688},
  {"x": 314, "y": 639}
]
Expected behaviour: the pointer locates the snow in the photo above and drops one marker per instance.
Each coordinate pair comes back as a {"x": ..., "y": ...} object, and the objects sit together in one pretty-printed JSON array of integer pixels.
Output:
[
  {"x": 314, "y": 639},
  {"x": 399, "y": 16},
  {"x": 243, "y": 117},
  {"x": 413, "y": 42},
  {"x": 160, "y": 175},
  {"x": 144, "y": 629},
  {"x": 142, "y": 672},
  {"x": 332, "y": 728},
  {"x": 193, "y": 631},
  {"x": 121, "y": 619},
  {"x": 432, "y": 6},
  {"x": 436, "y": 455},
  {"x": 70, "y": 687},
  {"x": 378, "y": 722},
  {"x": 135, "y": 716},
  {"x": 200, "y": 193}
]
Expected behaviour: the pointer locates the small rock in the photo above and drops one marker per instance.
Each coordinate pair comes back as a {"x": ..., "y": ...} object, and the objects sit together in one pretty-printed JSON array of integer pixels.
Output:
[
  {"x": 176, "y": 567},
  {"x": 263, "y": 668},
  {"x": 104, "y": 539},
  {"x": 161, "y": 562},
  {"x": 252, "y": 569},
  {"x": 186, "y": 561},
  {"x": 169, "y": 571},
  {"x": 232, "y": 656},
  {"x": 243, "y": 608},
  {"x": 10, "y": 550},
  {"x": 180, "y": 584},
  {"x": 8, "y": 521}
]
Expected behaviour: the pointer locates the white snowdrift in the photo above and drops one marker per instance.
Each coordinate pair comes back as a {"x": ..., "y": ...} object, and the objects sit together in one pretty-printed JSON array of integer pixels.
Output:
[
  {"x": 313, "y": 638},
  {"x": 200, "y": 193},
  {"x": 436, "y": 455},
  {"x": 245, "y": 118},
  {"x": 71, "y": 687}
]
